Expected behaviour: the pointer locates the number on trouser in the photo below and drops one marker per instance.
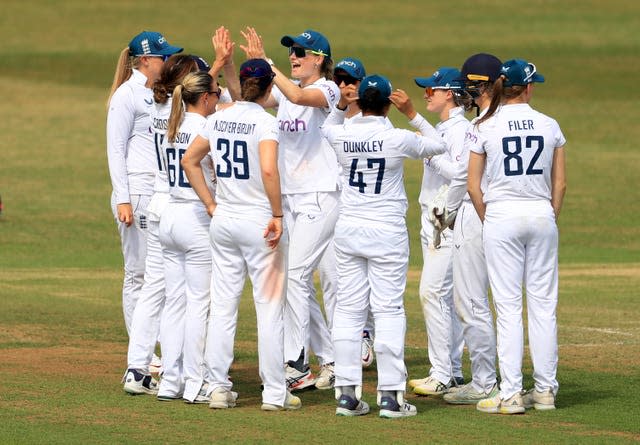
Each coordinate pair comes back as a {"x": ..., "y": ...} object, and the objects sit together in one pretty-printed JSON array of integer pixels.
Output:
[
  {"x": 359, "y": 182},
  {"x": 512, "y": 148},
  {"x": 240, "y": 158},
  {"x": 174, "y": 168}
]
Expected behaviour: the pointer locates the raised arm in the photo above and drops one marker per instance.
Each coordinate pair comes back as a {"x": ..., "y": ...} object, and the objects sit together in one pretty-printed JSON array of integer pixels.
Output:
[{"x": 311, "y": 97}]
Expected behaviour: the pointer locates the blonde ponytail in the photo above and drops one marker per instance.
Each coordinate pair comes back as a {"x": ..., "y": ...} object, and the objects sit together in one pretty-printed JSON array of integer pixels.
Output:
[
  {"x": 123, "y": 71},
  {"x": 177, "y": 113}
]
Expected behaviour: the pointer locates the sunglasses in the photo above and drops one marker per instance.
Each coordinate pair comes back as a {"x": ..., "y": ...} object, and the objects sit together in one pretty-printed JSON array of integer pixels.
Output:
[
  {"x": 301, "y": 52},
  {"x": 164, "y": 58},
  {"x": 347, "y": 79},
  {"x": 217, "y": 93}
]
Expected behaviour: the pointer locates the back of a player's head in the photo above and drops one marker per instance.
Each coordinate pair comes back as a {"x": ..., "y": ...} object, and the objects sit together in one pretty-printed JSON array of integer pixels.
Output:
[
  {"x": 479, "y": 72},
  {"x": 173, "y": 71},
  {"x": 373, "y": 95},
  {"x": 256, "y": 76}
]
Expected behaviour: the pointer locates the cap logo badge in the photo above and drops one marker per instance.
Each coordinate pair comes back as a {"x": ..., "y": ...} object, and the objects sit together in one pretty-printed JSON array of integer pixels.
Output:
[
  {"x": 436, "y": 74},
  {"x": 146, "y": 49},
  {"x": 306, "y": 35},
  {"x": 372, "y": 84},
  {"x": 162, "y": 40}
]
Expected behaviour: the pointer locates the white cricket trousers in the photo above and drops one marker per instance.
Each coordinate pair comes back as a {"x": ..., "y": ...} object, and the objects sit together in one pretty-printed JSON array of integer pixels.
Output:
[
  {"x": 521, "y": 247},
  {"x": 311, "y": 219},
  {"x": 471, "y": 297},
  {"x": 320, "y": 330},
  {"x": 445, "y": 343},
  {"x": 145, "y": 323},
  {"x": 184, "y": 234},
  {"x": 134, "y": 251},
  {"x": 372, "y": 274},
  {"x": 240, "y": 248}
]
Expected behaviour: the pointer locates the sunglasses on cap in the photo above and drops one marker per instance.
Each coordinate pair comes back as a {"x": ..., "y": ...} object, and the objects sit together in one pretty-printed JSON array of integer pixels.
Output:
[
  {"x": 164, "y": 58},
  {"x": 301, "y": 52},
  {"x": 339, "y": 78}
]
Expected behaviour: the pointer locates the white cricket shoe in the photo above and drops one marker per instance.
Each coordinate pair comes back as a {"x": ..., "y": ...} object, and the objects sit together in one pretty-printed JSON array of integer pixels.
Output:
[
  {"x": 291, "y": 402},
  {"x": 135, "y": 383},
  {"x": 467, "y": 395},
  {"x": 201, "y": 397},
  {"x": 222, "y": 398},
  {"x": 349, "y": 406},
  {"x": 327, "y": 377},
  {"x": 494, "y": 405},
  {"x": 432, "y": 387},
  {"x": 155, "y": 367},
  {"x": 297, "y": 380},
  {"x": 540, "y": 400},
  {"x": 394, "y": 408}
]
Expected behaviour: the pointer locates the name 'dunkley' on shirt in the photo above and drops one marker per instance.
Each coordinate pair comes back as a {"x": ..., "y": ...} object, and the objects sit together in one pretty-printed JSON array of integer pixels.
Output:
[
  {"x": 234, "y": 127},
  {"x": 362, "y": 146}
]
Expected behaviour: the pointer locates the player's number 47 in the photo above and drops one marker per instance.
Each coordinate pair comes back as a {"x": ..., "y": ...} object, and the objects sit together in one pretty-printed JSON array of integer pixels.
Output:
[{"x": 356, "y": 178}]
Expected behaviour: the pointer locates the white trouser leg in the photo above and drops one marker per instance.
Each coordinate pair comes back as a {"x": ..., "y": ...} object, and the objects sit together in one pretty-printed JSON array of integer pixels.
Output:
[
  {"x": 436, "y": 296},
  {"x": 228, "y": 277},
  {"x": 505, "y": 253},
  {"x": 470, "y": 294},
  {"x": 146, "y": 316},
  {"x": 328, "y": 274},
  {"x": 352, "y": 305},
  {"x": 192, "y": 234},
  {"x": 311, "y": 220},
  {"x": 134, "y": 251},
  {"x": 541, "y": 283},
  {"x": 268, "y": 272}
]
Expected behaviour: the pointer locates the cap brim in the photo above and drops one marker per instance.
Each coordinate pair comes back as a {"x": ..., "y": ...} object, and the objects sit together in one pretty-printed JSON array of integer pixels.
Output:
[
  {"x": 537, "y": 78},
  {"x": 168, "y": 51},
  {"x": 287, "y": 41},
  {"x": 424, "y": 82}
]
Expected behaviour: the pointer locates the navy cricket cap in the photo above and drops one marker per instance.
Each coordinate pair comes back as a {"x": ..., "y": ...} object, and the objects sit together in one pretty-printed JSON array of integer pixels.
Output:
[
  {"x": 481, "y": 67},
  {"x": 256, "y": 68},
  {"x": 353, "y": 67},
  {"x": 309, "y": 39},
  {"x": 150, "y": 43},
  {"x": 375, "y": 82},
  {"x": 519, "y": 72},
  {"x": 444, "y": 78}
]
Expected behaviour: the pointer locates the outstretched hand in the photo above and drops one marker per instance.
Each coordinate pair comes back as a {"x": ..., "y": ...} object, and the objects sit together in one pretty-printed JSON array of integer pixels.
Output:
[
  {"x": 254, "y": 48},
  {"x": 223, "y": 45}
]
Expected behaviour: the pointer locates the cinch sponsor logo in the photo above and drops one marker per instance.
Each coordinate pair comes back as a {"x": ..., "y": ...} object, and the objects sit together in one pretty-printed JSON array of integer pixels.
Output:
[
  {"x": 471, "y": 137},
  {"x": 292, "y": 126}
]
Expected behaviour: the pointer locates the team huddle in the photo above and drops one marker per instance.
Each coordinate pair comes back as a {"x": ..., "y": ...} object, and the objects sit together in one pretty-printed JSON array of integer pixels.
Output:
[{"x": 209, "y": 188}]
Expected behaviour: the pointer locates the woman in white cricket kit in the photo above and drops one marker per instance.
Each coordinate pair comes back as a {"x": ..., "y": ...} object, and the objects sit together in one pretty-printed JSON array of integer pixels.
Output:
[
  {"x": 247, "y": 235},
  {"x": 445, "y": 96},
  {"x": 309, "y": 187},
  {"x": 146, "y": 316},
  {"x": 185, "y": 246},
  {"x": 131, "y": 152},
  {"x": 372, "y": 244},
  {"x": 521, "y": 152},
  {"x": 133, "y": 161},
  {"x": 470, "y": 279}
]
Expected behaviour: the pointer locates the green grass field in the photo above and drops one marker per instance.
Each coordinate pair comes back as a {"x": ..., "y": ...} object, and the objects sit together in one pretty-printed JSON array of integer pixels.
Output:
[{"x": 62, "y": 337}]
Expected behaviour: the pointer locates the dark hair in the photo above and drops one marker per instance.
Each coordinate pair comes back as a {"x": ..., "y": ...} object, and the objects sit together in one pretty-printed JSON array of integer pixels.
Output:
[
  {"x": 372, "y": 102},
  {"x": 326, "y": 69},
  {"x": 173, "y": 71},
  {"x": 188, "y": 92},
  {"x": 501, "y": 93},
  {"x": 254, "y": 88},
  {"x": 463, "y": 99}
]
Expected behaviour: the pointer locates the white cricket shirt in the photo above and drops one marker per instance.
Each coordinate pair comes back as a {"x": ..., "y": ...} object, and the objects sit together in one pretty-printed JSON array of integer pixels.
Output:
[
  {"x": 130, "y": 147},
  {"x": 371, "y": 156},
  {"x": 307, "y": 163},
  {"x": 234, "y": 135},
  {"x": 519, "y": 143}
]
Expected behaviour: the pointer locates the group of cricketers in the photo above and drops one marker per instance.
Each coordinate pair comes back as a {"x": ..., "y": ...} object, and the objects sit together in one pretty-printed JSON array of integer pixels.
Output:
[{"x": 209, "y": 187}]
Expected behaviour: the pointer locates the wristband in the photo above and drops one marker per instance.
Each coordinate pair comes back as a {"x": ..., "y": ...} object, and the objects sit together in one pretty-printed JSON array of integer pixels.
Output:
[
  {"x": 269, "y": 61},
  {"x": 277, "y": 216}
]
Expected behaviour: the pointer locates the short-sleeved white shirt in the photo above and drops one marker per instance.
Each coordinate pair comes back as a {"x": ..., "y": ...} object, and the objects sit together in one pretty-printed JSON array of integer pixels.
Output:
[
  {"x": 307, "y": 163},
  {"x": 173, "y": 152},
  {"x": 520, "y": 143},
  {"x": 234, "y": 135},
  {"x": 372, "y": 158}
]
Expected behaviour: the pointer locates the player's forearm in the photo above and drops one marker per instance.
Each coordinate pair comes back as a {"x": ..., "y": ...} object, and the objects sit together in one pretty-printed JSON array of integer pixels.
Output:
[
  {"x": 271, "y": 181},
  {"x": 198, "y": 184},
  {"x": 232, "y": 81},
  {"x": 432, "y": 143}
]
